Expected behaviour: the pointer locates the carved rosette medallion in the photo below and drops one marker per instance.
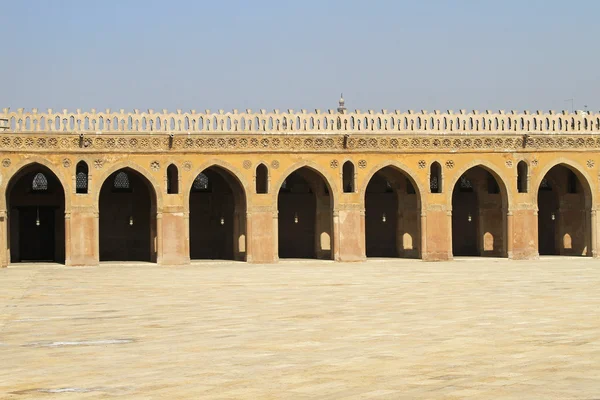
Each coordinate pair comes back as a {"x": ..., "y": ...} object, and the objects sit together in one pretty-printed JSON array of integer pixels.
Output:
[
  {"x": 362, "y": 164},
  {"x": 247, "y": 164},
  {"x": 590, "y": 163},
  {"x": 334, "y": 163},
  {"x": 98, "y": 163},
  {"x": 66, "y": 163},
  {"x": 154, "y": 165},
  {"x": 6, "y": 162},
  {"x": 509, "y": 163},
  {"x": 187, "y": 166},
  {"x": 450, "y": 164},
  {"x": 422, "y": 164},
  {"x": 275, "y": 164}
]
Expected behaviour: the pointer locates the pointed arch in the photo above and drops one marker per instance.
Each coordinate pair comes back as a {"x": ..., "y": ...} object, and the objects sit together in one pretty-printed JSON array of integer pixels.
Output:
[
  {"x": 36, "y": 228},
  {"x": 480, "y": 203},
  {"x": 217, "y": 215},
  {"x": 565, "y": 198},
  {"x": 392, "y": 201},
  {"x": 127, "y": 205},
  {"x": 305, "y": 203}
]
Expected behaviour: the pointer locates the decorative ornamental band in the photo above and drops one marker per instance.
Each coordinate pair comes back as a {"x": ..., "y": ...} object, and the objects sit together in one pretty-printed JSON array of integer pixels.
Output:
[
  {"x": 308, "y": 143},
  {"x": 298, "y": 122}
]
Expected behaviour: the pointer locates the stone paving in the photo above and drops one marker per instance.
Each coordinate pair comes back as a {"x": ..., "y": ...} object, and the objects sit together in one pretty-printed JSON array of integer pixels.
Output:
[{"x": 385, "y": 329}]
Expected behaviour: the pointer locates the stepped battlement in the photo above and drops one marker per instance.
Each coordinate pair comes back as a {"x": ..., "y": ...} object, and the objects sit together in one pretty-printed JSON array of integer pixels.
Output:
[{"x": 302, "y": 121}]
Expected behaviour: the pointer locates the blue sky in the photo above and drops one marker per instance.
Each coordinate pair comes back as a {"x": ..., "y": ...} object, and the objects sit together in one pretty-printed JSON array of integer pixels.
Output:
[{"x": 301, "y": 54}]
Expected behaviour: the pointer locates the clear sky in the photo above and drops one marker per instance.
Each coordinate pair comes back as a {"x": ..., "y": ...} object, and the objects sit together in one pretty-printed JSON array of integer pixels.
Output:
[{"x": 503, "y": 54}]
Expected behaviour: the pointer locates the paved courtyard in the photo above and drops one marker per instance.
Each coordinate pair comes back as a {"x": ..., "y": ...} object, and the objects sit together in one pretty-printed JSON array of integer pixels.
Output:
[{"x": 385, "y": 329}]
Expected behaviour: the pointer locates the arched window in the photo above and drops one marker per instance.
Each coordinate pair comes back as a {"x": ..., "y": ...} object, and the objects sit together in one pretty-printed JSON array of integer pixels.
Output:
[
  {"x": 348, "y": 177},
  {"x": 172, "y": 179},
  {"x": 522, "y": 177},
  {"x": 435, "y": 177},
  {"x": 39, "y": 183},
  {"x": 121, "y": 182},
  {"x": 262, "y": 179},
  {"x": 201, "y": 183},
  {"x": 81, "y": 177}
]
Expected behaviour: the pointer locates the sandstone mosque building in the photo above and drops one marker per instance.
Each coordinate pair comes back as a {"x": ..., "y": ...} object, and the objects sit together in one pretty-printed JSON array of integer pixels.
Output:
[{"x": 80, "y": 188}]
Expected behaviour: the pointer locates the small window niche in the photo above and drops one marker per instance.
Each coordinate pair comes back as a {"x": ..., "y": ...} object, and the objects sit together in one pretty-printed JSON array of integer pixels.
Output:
[
  {"x": 435, "y": 178},
  {"x": 172, "y": 179},
  {"x": 348, "y": 177},
  {"x": 522, "y": 177},
  {"x": 262, "y": 179},
  {"x": 81, "y": 178}
]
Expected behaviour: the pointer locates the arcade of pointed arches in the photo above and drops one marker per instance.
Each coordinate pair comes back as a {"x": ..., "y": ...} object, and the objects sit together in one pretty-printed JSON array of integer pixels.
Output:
[{"x": 305, "y": 204}]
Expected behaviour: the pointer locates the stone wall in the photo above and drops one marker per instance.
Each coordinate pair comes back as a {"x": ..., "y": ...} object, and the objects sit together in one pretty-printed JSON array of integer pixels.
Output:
[{"x": 420, "y": 224}]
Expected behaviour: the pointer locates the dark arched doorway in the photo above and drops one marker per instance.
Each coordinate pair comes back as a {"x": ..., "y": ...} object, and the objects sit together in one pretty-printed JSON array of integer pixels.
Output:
[
  {"x": 36, "y": 216},
  {"x": 564, "y": 216},
  {"x": 217, "y": 216},
  {"x": 127, "y": 218},
  {"x": 305, "y": 216},
  {"x": 479, "y": 210},
  {"x": 392, "y": 215}
]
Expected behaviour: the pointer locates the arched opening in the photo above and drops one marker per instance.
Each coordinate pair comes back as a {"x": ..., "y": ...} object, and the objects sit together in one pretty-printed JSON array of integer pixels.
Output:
[
  {"x": 81, "y": 177},
  {"x": 522, "y": 177},
  {"x": 127, "y": 209},
  {"x": 564, "y": 213},
  {"x": 35, "y": 200},
  {"x": 172, "y": 179},
  {"x": 435, "y": 177},
  {"x": 262, "y": 179},
  {"x": 348, "y": 177},
  {"x": 392, "y": 215},
  {"x": 217, "y": 216},
  {"x": 305, "y": 216},
  {"x": 479, "y": 215}
]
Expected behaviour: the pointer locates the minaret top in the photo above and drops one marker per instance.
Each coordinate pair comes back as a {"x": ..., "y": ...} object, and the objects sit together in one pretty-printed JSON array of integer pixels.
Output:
[{"x": 342, "y": 108}]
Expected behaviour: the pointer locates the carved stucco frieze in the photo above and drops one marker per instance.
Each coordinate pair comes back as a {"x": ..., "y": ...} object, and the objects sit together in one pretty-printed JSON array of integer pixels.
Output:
[{"x": 363, "y": 143}]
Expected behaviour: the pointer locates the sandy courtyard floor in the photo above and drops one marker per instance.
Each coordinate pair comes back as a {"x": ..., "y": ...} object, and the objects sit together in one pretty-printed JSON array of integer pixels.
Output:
[{"x": 385, "y": 329}]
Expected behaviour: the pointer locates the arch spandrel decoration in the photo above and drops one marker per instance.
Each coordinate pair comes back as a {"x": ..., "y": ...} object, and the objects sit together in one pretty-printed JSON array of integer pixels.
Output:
[
  {"x": 154, "y": 183},
  {"x": 421, "y": 190},
  {"x": 188, "y": 178},
  {"x": 8, "y": 181},
  {"x": 505, "y": 189},
  {"x": 329, "y": 180},
  {"x": 586, "y": 180}
]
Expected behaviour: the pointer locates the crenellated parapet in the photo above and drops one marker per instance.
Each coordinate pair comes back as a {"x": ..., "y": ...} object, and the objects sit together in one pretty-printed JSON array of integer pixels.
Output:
[{"x": 304, "y": 122}]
